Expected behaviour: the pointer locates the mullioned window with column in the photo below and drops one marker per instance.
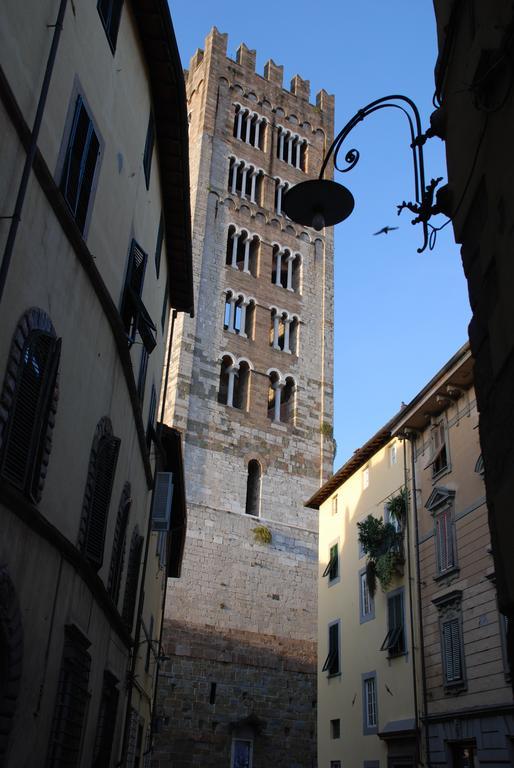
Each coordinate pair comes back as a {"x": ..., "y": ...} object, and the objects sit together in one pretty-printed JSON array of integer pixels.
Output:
[
  {"x": 245, "y": 180},
  {"x": 281, "y": 398},
  {"x": 234, "y": 382},
  {"x": 281, "y": 188},
  {"x": 286, "y": 269},
  {"x": 239, "y": 314},
  {"x": 284, "y": 331},
  {"x": 291, "y": 148},
  {"x": 242, "y": 250},
  {"x": 249, "y": 127}
]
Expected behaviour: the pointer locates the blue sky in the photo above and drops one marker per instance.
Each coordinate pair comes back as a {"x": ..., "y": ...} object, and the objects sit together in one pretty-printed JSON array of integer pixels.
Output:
[{"x": 399, "y": 315}]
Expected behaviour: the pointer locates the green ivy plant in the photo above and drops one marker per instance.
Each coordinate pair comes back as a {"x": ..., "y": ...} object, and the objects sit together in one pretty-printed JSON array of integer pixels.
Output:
[
  {"x": 383, "y": 543},
  {"x": 262, "y": 534}
]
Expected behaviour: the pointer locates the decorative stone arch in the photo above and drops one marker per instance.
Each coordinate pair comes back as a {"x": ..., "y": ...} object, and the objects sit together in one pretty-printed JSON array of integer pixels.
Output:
[
  {"x": 33, "y": 322},
  {"x": 247, "y": 361},
  {"x": 97, "y": 494},
  {"x": 11, "y": 657}
]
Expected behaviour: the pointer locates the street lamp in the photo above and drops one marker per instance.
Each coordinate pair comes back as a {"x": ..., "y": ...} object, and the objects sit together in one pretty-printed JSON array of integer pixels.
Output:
[{"x": 322, "y": 202}]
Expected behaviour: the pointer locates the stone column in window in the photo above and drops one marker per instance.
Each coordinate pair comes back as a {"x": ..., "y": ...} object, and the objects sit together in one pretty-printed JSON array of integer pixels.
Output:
[
  {"x": 276, "y": 330},
  {"x": 277, "y": 386},
  {"x": 242, "y": 331},
  {"x": 281, "y": 139},
  {"x": 287, "y": 324},
  {"x": 230, "y": 393},
  {"x": 278, "y": 267},
  {"x": 298, "y": 147},
  {"x": 280, "y": 188},
  {"x": 235, "y": 239},
  {"x": 289, "y": 262},
  {"x": 290, "y": 141},
  {"x": 243, "y": 180},
  {"x": 234, "y": 176},
  {"x": 248, "y": 118},
  {"x": 257, "y": 129},
  {"x": 254, "y": 183},
  {"x": 232, "y": 315},
  {"x": 239, "y": 123},
  {"x": 246, "y": 259}
]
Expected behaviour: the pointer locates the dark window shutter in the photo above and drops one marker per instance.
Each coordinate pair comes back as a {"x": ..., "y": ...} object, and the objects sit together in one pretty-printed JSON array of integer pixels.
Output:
[
  {"x": 26, "y": 432},
  {"x": 110, "y": 13},
  {"x": 151, "y": 417},
  {"x": 149, "y": 143},
  {"x": 158, "y": 247},
  {"x": 118, "y": 545},
  {"x": 141, "y": 379},
  {"x": 71, "y": 702},
  {"x": 106, "y": 459},
  {"x": 106, "y": 722},
  {"x": 80, "y": 164},
  {"x": 134, "y": 564},
  {"x": 396, "y": 633},
  {"x": 162, "y": 501},
  {"x": 133, "y": 288},
  {"x": 331, "y": 664},
  {"x": 452, "y": 651}
]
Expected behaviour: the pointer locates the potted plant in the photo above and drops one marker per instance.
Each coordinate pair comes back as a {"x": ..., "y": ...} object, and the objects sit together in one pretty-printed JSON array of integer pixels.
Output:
[{"x": 383, "y": 543}]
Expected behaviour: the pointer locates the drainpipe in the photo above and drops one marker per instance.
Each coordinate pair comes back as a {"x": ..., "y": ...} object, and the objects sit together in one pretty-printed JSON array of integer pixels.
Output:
[
  {"x": 411, "y": 436},
  {"x": 31, "y": 152},
  {"x": 411, "y": 608}
]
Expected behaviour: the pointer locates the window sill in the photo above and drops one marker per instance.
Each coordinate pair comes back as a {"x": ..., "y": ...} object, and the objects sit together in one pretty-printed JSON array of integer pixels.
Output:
[
  {"x": 441, "y": 473},
  {"x": 333, "y": 675},
  {"x": 391, "y": 656},
  {"x": 447, "y": 574},
  {"x": 454, "y": 689}
]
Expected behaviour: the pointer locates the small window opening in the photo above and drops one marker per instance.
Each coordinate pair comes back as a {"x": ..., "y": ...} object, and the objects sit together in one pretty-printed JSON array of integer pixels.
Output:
[
  {"x": 212, "y": 694},
  {"x": 253, "y": 488}
]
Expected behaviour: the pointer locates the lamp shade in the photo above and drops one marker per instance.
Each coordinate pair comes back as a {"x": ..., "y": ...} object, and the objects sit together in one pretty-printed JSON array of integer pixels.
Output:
[{"x": 318, "y": 203}]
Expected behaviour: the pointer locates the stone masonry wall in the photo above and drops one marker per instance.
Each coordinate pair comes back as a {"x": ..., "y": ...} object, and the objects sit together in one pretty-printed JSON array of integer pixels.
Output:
[{"x": 243, "y": 614}]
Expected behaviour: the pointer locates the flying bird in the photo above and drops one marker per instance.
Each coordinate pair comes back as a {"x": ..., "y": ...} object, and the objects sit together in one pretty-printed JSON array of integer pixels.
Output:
[{"x": 385, "y": 230}]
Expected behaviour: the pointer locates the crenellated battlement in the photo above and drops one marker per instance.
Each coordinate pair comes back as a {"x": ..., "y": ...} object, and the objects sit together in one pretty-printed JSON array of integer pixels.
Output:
[{"x": 217, "y": 42}]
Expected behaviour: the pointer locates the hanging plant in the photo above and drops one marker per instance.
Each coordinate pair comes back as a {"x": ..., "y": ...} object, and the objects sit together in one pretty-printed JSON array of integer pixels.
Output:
[
  {"x": 383, "y": 546},
  {"x": 397, "y": 507},
  {"x": 262, "y": 534}
]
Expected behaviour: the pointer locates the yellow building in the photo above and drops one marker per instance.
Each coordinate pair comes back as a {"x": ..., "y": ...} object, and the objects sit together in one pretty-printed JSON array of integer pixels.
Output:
[
  {"x": 95, "y": 248},
  {"x": 366, "y": 704},
  {"x": 449, "y": 702}
]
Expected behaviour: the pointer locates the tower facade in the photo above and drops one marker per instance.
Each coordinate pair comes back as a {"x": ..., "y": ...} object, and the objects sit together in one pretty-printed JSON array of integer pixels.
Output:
[{"x": 250, "y": 386}]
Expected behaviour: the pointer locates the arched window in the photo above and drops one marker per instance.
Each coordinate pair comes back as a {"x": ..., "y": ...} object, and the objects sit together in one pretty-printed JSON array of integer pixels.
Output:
[
  {"x": 296, "y": 274},
  {"x": 226, "y": 372},
  {"x": 119, "y": 544},
  {"x": 133, "y": 567},
  {"x": 274, "y": 396},
  {"x": 293, "y": 335},
  {"x": 97, "y": 496},
  {"x": 287, "y": 402},
  {"x": 242, "y": 386},
  {"x": 253, "y": 488},
  {"x": 242, "y": 251},
  {"x": 29, "y": 403}
]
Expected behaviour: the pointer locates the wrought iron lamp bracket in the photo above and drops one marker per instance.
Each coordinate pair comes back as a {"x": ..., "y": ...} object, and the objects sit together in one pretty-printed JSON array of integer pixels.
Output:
[{"x": 424, "y": 206}]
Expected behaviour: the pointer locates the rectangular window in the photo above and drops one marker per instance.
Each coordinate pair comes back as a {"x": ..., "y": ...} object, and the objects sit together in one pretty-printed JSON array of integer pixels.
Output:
[
  {"x": 164, "y": 312},
  {"x": 335, "y": 729},
  {"x": 451, "y": 642},
  {"x": 369, "y": 703},
  {"x": 394, "y": 642},
  {"x": 439, "y": 459},
  {"x": 444, "y": 540},
  {"x": 365, "y": 477},
  {"x": 71, "y": 701},
  {"x": 134, "y": 314},
  {"x": 366, "y": 602},
  {"x": 389, "y": 518},
  {"x": 332, "y": 569},
  {"x": 335, "y": 764},
  {"x": 334, "y": 505},
  {"x": 393, "y": 454},
  {"x": 110, "y": 14},
  {"x": 106, "y": 721},
  {"x": 80, "y": 164},
  {"x": 149, "y": 143},
  {"x": 332, "y": 663},
  {"x": 504, "y": 628},
  {"x": 158, "y": 247},
  {"x": 149, "y": 641},
  {"x": 241, "y": 753}
]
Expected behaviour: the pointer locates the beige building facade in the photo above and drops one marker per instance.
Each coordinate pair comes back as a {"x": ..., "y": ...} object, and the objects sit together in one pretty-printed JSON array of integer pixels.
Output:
[
  {"x": 475, "y": 123},
  {"x": 436, "y": 691},
  {"x": 95, "y": 248},
  {"x": 251, "y": 387},
  {"x": 366, "y": 698}
]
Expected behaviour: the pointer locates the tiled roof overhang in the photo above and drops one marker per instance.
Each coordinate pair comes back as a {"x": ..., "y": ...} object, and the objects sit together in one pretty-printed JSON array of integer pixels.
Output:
[{"x": 157, "y": 36}]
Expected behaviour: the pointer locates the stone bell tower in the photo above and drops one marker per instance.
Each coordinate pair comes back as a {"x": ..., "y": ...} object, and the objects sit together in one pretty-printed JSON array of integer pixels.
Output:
[{"x": 250, "y": 385}]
